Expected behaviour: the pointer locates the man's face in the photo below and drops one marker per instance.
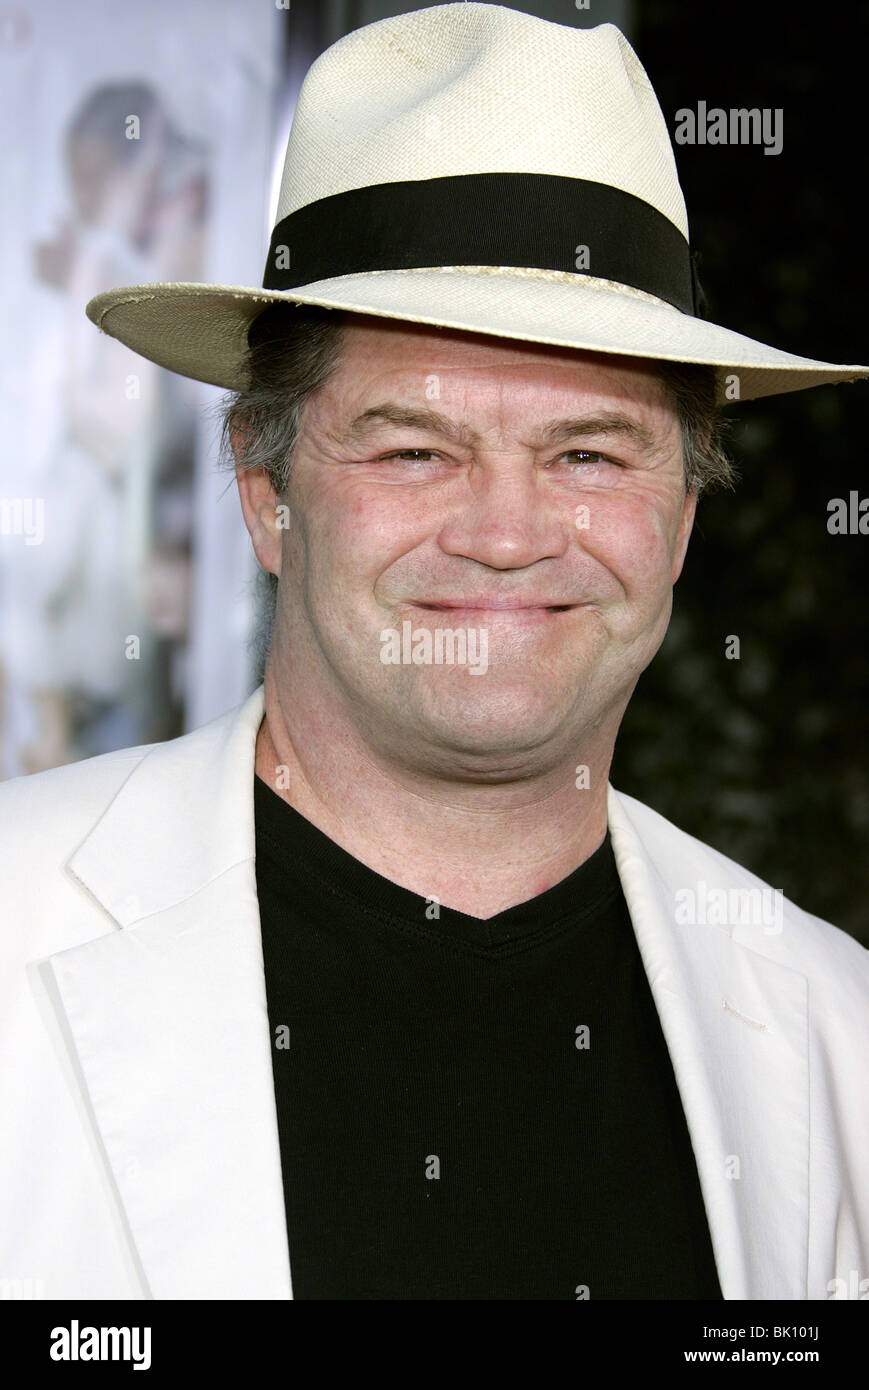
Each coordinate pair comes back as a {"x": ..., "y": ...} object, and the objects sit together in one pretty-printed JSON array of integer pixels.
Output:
[{"x": 489, "y": 512}]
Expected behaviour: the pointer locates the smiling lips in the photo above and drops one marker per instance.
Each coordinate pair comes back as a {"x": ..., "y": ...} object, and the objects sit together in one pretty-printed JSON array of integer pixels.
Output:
[{"x": 494, "y": 606}]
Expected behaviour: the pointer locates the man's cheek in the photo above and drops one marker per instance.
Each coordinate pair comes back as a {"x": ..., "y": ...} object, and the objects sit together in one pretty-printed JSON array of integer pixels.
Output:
[
  {"x": 332, "y": 541},
  {"x": 343, "y": 564},
  {"x": 636, "y": 554},
  {"x": 649, "y": 563}
]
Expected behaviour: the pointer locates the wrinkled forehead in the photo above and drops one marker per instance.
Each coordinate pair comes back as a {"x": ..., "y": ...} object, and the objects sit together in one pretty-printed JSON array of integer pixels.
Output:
[{"x": 485, "y": 378}]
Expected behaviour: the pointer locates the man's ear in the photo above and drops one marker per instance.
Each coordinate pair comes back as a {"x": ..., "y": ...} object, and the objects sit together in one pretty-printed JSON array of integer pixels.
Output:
[
  {"x": 259, "y": 504},
  {"x": 683, "y": 535}
]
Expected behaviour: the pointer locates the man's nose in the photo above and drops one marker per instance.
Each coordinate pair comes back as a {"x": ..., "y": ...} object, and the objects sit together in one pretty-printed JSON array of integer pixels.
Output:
[{"x": 507, "y": 518}]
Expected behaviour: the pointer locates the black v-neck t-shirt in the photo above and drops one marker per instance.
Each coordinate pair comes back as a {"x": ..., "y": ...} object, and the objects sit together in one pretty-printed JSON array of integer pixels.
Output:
[{"x": 467, "y": 1108}]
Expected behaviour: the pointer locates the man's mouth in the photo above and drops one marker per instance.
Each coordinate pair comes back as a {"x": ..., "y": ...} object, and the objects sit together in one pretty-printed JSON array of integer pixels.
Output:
[{"x": 491, "y": 605}]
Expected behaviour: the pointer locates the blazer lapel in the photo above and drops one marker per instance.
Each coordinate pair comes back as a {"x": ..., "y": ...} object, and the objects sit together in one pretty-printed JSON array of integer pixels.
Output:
[
  {"x": 166, "y": 1013},
  {"x": 735, "y": 1022}
]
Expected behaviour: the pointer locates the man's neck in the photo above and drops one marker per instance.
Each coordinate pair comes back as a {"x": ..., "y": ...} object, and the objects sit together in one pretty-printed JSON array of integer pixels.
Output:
[{"x": 477, "y": 849}]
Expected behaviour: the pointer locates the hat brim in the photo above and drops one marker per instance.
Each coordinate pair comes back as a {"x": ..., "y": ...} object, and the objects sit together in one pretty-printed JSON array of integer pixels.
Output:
[{"x": 201, "y": 330}]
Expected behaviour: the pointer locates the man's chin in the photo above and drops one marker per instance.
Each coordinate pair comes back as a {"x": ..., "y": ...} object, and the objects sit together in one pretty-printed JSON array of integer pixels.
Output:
[{"x": 503, "y": 722}]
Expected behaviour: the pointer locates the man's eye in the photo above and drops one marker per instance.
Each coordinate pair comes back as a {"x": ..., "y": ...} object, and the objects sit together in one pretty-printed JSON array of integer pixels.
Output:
[
  {"x": 403, "y": 453},
  {"x": 582, "y": 456},
  {"x": 586, "y": 456}
]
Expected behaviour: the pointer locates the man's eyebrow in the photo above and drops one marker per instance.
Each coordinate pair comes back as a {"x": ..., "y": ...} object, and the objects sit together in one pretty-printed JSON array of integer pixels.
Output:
[
  {"x": 608, "y": 422},
  {"x": 573, "y": 427},
  {"x": 420, "y": 418}
]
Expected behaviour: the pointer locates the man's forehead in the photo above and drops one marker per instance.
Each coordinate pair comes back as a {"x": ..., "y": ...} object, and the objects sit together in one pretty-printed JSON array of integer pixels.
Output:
[
  {"x": 396, "y": 346},
  {"x": 453, "y": 387}
]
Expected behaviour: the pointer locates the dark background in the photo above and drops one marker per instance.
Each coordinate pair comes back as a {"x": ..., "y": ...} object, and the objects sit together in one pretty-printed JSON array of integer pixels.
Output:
[{"x": 766, "y": 757}]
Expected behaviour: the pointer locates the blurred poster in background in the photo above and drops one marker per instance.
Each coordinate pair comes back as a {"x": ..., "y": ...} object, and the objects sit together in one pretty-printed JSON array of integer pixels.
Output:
[{"x": 138, "y": 145}]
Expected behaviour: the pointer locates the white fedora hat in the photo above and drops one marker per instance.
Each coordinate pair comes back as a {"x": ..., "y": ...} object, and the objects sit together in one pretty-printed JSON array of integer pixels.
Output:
[{"x": 472, "y": 166}]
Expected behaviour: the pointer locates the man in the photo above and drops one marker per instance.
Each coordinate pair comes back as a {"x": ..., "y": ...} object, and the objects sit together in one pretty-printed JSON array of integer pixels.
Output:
[{"x": 375, "y": 987}]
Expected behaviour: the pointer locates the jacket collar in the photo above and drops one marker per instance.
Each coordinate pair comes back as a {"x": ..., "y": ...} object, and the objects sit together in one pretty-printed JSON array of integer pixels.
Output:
[
  {"x": 183, "y": 817},
  {"x": 166, "y": 1012}
]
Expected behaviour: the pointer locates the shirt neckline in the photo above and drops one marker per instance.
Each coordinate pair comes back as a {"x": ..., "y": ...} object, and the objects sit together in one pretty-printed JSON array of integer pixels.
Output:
[{"x": 285, "y": 837}]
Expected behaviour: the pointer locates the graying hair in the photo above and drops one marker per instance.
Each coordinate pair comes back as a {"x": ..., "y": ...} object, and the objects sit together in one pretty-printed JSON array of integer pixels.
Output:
[{"x": 293, "y": 349}]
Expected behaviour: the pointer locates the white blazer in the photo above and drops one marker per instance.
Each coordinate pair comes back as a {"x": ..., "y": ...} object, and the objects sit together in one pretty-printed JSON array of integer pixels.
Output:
[{"x": 140, "y": 1154}]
